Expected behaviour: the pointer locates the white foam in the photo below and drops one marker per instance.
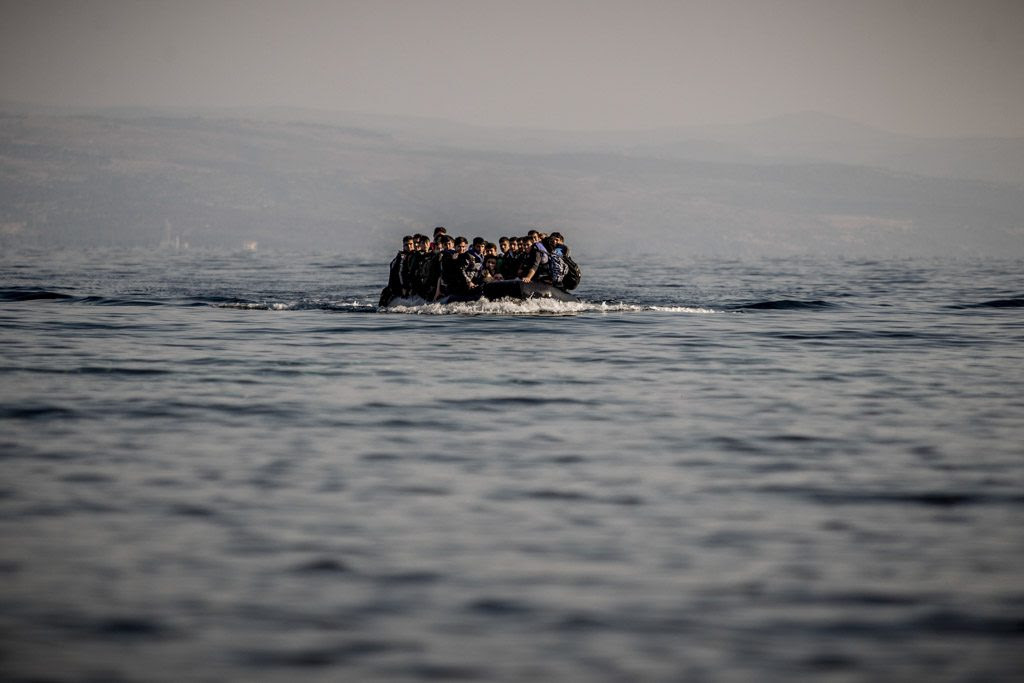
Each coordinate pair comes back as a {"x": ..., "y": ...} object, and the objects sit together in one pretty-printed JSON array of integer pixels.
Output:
[
  {"x": 528, "y": 307},
  {"x": 485, "y": 307},
  {"x": 681, "y": 309},
  {"x": 262, "y": 306},
  {"x": 416, "y": 306}
]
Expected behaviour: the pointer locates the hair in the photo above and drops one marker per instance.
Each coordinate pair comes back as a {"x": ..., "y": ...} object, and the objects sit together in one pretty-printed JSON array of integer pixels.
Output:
[
  {"x": 479, "y": 240},
  {"x": 461, "y": 240},
  {"x": 556, "y": 234},
  {"x": 407, "y": 238},
  {"x": 440, "y": 230},
  {"x": 531, "y": 233}
]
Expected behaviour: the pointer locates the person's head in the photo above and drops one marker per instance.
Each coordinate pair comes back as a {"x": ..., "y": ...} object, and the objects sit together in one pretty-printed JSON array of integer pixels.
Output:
[
  {"x": 407, "y": 243},
  {"x": 503, "y": 243},
  {"x": 557, "y": 236},
  {"x": 439, "y": 230},
  {"x": 549, "y": 243},
  {"x": 491, "y": 249},
  {"x": 478, "y": 244},
  {"x": 461, "y": 244},
  {"x": 533, "y": 235},
  {"x": 491, "y": 263},
  {"x": 444, "y": 242},
  {"x": 421, "y": 242}
]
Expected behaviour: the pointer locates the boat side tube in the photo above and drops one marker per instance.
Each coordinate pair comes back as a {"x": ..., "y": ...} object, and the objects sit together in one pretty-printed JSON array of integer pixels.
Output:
[{"x": 517, "y": 289}]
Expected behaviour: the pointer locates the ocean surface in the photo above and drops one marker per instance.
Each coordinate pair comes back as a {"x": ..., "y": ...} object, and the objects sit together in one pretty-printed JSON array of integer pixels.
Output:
[{"x": 234, "y": 467}]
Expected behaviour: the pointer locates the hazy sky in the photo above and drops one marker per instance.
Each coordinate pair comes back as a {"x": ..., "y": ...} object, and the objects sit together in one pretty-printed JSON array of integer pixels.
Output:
[{"x": 928, "y": 67}]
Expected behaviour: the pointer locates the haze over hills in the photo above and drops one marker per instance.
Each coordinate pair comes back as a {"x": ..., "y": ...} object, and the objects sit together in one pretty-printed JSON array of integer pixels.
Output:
[{"x": 805, "y": 183}]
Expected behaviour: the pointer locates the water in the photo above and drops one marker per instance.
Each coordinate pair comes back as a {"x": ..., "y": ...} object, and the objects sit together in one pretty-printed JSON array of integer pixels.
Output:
[{"x": 233, "y": 467}]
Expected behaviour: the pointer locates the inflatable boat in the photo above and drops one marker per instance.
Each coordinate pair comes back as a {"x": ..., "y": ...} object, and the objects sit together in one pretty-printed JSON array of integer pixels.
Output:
[
  {"x": 514, "y": 289},
  {"x": 501, "y": 289}
]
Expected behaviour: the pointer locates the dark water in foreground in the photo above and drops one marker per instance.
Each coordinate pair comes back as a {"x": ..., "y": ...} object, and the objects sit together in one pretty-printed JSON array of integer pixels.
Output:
[{"x": 233, "y": 467}]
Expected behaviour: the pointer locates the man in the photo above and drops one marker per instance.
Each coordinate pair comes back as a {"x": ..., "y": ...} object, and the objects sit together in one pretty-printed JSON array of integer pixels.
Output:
[
  {"x": 430, "y": 282},
  {"x": 557, "y": 251},
  {"x": 508, "y": 261},
  {"x": 397, "y": 286},
  {"x": 477, "y": 251},
  {"x": 439, "y": 230},
  {"x": 396, "y": 280},
  {"x": 417, "y": 265},
  {"x": 537, "y": 259},
  {"x": 565, "y": 272},
  {"x": 458, "y": 269}
]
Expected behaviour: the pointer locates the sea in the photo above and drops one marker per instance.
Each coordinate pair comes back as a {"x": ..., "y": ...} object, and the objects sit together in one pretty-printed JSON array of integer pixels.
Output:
[{"x": 232, "y": 466}]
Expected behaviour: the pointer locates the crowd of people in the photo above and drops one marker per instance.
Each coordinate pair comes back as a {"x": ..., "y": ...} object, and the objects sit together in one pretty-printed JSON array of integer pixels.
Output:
[{"x": 432, "y": 269}]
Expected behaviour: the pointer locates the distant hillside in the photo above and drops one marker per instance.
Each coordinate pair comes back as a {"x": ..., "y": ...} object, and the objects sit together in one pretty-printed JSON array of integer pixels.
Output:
[
  {"x": 813, "y": 137},
  {"x": 352, "y": 182}
]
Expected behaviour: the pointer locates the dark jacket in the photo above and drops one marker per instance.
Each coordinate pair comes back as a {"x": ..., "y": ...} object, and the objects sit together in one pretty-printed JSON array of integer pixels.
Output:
[
  {"x": 396, "y": 276},
  {"x": 430, "y": 275},
  {"x": 457, "y": 271}
]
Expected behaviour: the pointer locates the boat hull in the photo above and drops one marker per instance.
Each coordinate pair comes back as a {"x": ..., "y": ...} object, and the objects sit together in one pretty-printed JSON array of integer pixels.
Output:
[
  {"x": 501, "y": 289},
  {"x": 517, "y": 289}
]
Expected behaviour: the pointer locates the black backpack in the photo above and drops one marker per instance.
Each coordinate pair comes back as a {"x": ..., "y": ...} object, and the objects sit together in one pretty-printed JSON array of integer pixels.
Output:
[{"x": 571, "y": 280}]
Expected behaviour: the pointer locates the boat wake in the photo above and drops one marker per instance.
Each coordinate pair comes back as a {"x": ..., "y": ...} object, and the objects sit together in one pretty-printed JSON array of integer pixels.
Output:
[
  {"x": 416, "y": 306},
  {"x": 470, "y": 308}
]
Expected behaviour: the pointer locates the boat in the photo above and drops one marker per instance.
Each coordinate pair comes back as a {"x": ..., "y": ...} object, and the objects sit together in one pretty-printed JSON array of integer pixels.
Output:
[
  {"x": 514, "y": 289},
  {"x": 502, "y": 289}
]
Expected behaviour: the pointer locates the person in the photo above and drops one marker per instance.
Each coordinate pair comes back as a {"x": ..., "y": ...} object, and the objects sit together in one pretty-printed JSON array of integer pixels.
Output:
[
  {"x": 396, "y": 279},
  {"x": 489, "y": 273},
  {"x": 508, "y": 261},
  {"x": 411, "y": 267},
  {"x": 557, "y": 267},
  {"x": 477, "y": 252},
  {"x": 537, "y": 260},
  {"x": 396, "y": 286},
  {"x": 445, "y": 251},
  {"x": 439, "y": 230},
  {"x": 432, "y": 271},
  {"x": 458, "y": 269}
]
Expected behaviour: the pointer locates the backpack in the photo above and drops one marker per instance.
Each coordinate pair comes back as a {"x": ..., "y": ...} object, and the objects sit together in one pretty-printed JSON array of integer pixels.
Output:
[
  {"x": 557, "y": 266},
  {"x": 571, "y": 279}
]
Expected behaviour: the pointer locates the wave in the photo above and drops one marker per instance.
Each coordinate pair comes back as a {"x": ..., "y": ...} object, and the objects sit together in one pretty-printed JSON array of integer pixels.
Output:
[
  {"x": 1015, "y": 302},
  {"x": 115, "y": 301},
  {"x": 90, "y": 300},
  {"x": 784, "y": 305},
  {"x": 31, "y": 295},
  {"x": 305, "y": 305}
]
